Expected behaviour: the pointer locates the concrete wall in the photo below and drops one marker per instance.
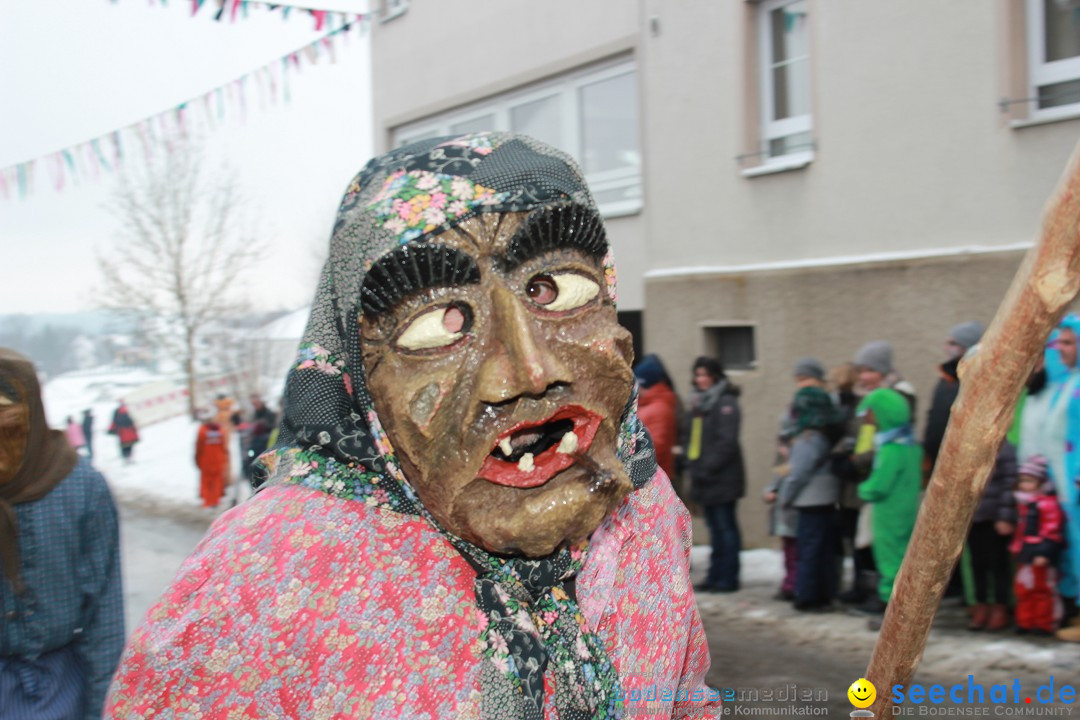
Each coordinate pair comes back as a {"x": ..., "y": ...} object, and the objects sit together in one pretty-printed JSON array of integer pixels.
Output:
[
  {"x": 827, "y": 313},
  {"x": 912, "y": 149}
]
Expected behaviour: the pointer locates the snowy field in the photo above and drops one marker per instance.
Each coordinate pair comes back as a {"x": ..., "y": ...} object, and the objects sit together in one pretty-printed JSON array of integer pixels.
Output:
[{"x": 162, "y": 476}]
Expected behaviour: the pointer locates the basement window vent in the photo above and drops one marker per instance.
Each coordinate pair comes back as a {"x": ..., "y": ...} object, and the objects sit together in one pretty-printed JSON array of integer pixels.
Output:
[{"x": 733, "y": 345}]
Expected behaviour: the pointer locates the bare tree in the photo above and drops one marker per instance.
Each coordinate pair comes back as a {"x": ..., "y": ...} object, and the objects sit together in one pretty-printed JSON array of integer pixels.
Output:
[{"x": 183, "y": 240}]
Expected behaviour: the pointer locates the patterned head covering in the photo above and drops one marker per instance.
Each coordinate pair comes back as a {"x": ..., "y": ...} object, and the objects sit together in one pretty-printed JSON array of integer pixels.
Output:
[
  {"x": 812, "y": 408},
  {"x": 331, "y": 438}
]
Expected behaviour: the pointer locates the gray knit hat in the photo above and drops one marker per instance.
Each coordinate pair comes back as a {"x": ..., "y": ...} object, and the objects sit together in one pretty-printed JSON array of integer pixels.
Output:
[
  {"x": 967, "y": 334},
  {"x": 809, "y": 367},
  {"x": 875, "y": 355}
]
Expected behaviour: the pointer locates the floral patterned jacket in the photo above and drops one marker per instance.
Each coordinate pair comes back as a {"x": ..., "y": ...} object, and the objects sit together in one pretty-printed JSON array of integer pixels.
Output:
[{"x": 298, "y": 604}]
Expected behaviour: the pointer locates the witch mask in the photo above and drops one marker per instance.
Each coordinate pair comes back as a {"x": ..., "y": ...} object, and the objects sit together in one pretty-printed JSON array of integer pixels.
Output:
[
  {"x": 463, "y": 358},
  {"x": 14, "y": 428},
  {"x": 501, "y": 385}
]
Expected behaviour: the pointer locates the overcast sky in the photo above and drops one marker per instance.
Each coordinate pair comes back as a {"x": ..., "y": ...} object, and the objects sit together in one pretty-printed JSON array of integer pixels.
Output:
[{"x": 75, "y": 69}]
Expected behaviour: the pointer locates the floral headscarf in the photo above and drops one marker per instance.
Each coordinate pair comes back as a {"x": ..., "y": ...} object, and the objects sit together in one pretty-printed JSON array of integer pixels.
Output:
[{"x": 331, "y": 438}]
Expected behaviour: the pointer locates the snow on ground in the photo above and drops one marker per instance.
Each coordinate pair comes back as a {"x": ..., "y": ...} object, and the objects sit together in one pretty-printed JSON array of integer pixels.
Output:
[
  {"x": 952, "y": 651},
  {"x": 162, "y": 476}
]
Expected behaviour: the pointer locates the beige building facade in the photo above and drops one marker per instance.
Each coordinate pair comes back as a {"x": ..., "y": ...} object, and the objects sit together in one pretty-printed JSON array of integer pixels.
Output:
[{"x": 780, "y": 178}]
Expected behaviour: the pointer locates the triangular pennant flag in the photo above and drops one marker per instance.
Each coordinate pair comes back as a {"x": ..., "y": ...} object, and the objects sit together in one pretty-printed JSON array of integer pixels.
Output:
[
  {"x": 96, "y": 145},
  {"x": 118, "y": 149}
]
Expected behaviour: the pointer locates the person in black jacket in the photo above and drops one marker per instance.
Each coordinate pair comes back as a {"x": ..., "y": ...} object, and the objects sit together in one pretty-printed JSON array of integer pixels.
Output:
[
  {"x": 717, "y": 476},
  {"x": 961, "y": 338}
]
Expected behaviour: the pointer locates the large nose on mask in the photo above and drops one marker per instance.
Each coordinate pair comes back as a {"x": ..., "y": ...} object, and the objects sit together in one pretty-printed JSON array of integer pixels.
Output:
[{"x": 518, "y": 362}]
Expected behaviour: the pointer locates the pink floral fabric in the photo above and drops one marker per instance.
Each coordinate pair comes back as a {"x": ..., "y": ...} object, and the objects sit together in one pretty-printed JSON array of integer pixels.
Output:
[{"x": 299, "y": 604}]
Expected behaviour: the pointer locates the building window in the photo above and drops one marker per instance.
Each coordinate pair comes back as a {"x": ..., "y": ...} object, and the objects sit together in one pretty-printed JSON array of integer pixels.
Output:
[
  {"x": 590, "y": 114},
  {"x": 784, "y": 61},
  {"x": 1054, "y": 57},
  {"x": 732, "y": 345}
]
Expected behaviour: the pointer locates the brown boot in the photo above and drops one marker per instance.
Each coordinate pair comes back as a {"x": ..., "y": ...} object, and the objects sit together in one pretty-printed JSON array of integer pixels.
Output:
[
  {"x": 998, "y": 618},
  {"x": 979, "y": 614}
]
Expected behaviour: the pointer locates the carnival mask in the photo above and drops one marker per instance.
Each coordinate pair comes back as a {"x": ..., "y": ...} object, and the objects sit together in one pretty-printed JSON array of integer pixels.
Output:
[
  {"x": 501, "y": 375},
  {"x": 14, "y": 429}
]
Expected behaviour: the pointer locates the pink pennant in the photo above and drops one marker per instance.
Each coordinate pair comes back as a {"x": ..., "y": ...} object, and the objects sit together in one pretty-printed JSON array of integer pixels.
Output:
[
  {"x": 208, "y": 111},
  {"x": 5, "y": 190},
  {"x": 56, "y": 170},
  {"x": 144, "y": 138},
  {"x": 235, "y": 7}
]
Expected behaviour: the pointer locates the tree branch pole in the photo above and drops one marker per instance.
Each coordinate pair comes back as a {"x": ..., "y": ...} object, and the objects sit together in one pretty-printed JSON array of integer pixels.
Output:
[{"x": 991, "y": 381}]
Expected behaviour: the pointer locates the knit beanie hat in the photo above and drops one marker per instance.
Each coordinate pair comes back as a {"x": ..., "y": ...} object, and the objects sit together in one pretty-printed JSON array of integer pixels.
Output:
[
  {"x": 1034, "y": 465},
  {"x": 875, "y": 355},
  {"x": 650, "y": 371},
  {"x": 809, "y": 367},
  {"x": 967, "y": 334}
]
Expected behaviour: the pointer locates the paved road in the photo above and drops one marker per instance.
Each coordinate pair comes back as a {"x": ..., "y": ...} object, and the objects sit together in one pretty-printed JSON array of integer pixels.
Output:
[{"x": 153, "y": 548}]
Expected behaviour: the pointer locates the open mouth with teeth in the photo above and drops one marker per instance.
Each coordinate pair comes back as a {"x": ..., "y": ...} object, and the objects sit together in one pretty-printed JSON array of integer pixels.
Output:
[{"x": 531, "y": 453}]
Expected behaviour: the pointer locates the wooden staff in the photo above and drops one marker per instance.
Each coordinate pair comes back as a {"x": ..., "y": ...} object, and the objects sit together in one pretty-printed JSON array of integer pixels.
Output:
[{"x": 1048, "y": 279}]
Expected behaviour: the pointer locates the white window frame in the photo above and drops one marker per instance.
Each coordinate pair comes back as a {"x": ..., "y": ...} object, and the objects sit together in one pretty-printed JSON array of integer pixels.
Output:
[
  {"x": 568, "y": 88},
  {"x": 1041, "y": 73},
  {"x": 776, "y": 129}
]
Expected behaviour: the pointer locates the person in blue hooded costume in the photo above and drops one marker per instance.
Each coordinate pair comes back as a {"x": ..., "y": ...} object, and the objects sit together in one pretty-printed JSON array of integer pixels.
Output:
[{"x": 1050, "y": 426}]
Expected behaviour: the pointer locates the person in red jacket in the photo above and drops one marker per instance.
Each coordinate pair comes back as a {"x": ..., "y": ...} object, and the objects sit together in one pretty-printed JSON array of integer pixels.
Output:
[
  {"x": 123, "y": 427},
  {"x": 212, "y": 459},
  {"x": 1036, "y": 544},
  {"x": 658, "y": 408}
]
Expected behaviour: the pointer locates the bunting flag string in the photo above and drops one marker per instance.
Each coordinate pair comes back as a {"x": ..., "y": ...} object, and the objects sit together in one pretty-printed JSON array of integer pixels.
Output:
[
  {"x": 89, "y": 159},
  {"x": 232, "y": 9}
]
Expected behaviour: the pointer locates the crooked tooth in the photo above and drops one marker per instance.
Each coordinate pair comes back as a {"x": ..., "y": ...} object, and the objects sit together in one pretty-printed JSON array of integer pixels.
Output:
[
  {"x": 568, "y": 444},
  {"x": 525, "y": 464},
  {"x": 506, "y": 447}
]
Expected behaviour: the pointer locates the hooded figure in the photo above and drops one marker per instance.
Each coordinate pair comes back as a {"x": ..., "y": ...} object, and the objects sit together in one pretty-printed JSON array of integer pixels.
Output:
[
  {"x": 894, "y": 483},
  {"x": 459, "y": 484},
  {"x": 1050, "y": 426},
  {"x": 60, "y": 593}
]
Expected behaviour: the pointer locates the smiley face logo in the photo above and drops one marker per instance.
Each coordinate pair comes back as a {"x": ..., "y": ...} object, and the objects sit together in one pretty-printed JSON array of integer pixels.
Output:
[{"x": 862, "y": 693}]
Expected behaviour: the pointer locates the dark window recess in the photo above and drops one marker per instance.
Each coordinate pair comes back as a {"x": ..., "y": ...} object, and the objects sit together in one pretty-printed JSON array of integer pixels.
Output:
[
  {"x": 732, "y": 345},
  {"x": 631, "y": 320}
]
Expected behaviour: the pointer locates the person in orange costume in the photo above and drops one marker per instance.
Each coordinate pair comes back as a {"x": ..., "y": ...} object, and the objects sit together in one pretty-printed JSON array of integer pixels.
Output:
[
  {"x": 658, "y": 408},
  {"x": 212, "y": 459}
]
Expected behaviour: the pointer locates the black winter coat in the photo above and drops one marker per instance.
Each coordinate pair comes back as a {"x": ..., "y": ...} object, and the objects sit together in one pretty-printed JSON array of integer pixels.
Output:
[
  {"x": 997, "y": 502},
  {"x": 937, "y": 419},
  {"x": 718, "y": 475}
]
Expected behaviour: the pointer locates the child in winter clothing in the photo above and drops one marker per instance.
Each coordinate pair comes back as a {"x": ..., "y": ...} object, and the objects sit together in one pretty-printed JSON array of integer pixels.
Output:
[
  {"x": 988, "y": 545},
  {"x": 783, "y": 522},
  {"x": 1036, "y": 544},
  {"x": 894, "y": 483}
]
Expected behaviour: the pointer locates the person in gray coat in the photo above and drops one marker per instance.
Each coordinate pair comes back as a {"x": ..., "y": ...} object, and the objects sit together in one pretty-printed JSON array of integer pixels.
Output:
[
  {"x": 811, "y": 487},
  {"x": 717, "y": 475}
]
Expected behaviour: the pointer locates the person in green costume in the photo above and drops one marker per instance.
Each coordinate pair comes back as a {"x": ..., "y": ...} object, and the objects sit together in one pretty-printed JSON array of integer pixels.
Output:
[{"x": 894, "y": 483}]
